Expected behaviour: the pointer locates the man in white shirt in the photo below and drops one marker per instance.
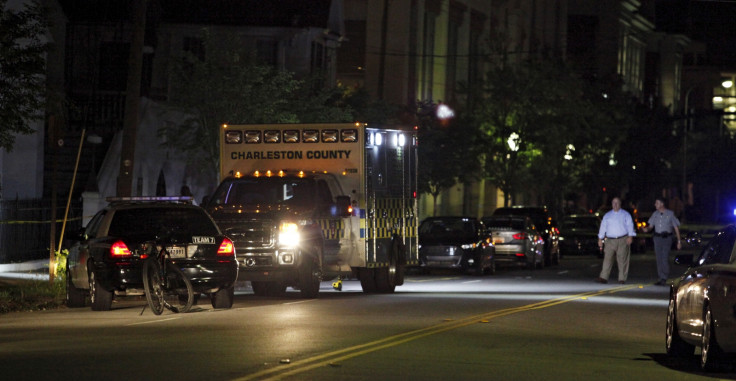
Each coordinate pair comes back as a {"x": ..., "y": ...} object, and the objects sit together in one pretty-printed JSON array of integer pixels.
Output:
[{"x": 617, "y": 228}]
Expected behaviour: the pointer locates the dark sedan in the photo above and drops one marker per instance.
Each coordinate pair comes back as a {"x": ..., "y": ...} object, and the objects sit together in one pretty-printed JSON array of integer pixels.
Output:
[
  {"x": 106, "y": 261},
  {"x": 459, "y": 243},
  {"x": 579, "y": 234},
  {"x": 702, "y": 307}
]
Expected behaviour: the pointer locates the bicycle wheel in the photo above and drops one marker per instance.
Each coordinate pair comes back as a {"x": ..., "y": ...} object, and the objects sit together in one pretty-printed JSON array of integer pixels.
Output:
[
  {"x": 179, "y": 295},
  {"x": 152, "y": 285}
]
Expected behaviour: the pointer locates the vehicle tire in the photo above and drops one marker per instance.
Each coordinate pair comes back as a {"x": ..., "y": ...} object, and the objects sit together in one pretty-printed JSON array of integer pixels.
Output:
[
  {"x": 387, "y": 277},
  {"x": 180, "y": 296},
  {"x": 75, "y": 297},
  {"x": 309, "y": 278},
  {"x": 711, "y": 355},
  {"x": 384, "y": 276},
  {"x": 152, "y": 286},
  {"x": 556, "y": 257},
  {"x": 492, "y": 267},
  {"x": 675, "y": 345},
  {"x": 478, "y": 269},
  {"x": 224, "y": 297},
  {"x": 367, "y": 280},
  {"x": 541, "y": 263},
  {"x": 100, "y": 297},
  {"x": 531, "y": 265}
]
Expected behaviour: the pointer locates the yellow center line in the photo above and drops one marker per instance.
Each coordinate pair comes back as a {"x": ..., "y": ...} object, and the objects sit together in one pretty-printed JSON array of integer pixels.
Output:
[{"x": 324, "y": 359}]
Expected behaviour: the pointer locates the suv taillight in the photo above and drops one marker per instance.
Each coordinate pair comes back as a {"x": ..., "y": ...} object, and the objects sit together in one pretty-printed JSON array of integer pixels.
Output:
[
  {"x": 226, "y": 248},
  {"x": 119, "y": 249},
  {"x": 520, "y": 236}
]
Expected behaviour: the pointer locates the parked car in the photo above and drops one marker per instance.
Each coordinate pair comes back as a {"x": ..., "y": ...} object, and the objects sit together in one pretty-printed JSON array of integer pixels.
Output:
[
  {"x": 456, "y": 243},
  {"x": 545, "y": 224},
  {"x": 579, "y": 234},
  {"x": 701, "y": 308},
  {"x": 106, "y": 260},
  {"x": 516, "y": 239}
]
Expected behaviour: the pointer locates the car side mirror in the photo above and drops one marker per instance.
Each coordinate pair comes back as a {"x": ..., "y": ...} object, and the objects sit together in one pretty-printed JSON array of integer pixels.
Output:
[
  {"x": 344, "y": 207},
  {"x": 77, "y": 235}
]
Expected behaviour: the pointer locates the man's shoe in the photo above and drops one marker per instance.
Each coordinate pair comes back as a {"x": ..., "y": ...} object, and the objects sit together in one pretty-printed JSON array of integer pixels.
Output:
[
  {"x": 661, "y": 282},
  {"x": 601, "y": 280},
  {"x": 622, "y": 282}
]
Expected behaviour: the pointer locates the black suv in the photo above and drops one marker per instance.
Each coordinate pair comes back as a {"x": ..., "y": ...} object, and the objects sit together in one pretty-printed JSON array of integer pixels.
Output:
[
  {"x": 545, "y": 224},
  {"x": 106, "y": 259}
]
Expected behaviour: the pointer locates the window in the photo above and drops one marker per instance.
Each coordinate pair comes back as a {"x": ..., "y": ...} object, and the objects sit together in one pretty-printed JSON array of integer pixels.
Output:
[
  {"x": 267, "y": 52},
  {"x": 113, "y": 73},
  {"x": 195, "y": 46},
  {"x": 719, "y": 249}
]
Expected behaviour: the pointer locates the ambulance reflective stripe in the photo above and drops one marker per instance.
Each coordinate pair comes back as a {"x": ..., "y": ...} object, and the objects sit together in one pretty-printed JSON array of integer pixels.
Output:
[
  {"x": 392, "y": 214},
  {"x": 361, "y": 214},
  {"x": 332, "y": 228}
]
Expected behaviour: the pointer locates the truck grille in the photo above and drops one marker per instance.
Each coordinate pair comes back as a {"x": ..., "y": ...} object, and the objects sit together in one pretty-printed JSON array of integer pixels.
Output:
[{"x": 249, "y": 234}]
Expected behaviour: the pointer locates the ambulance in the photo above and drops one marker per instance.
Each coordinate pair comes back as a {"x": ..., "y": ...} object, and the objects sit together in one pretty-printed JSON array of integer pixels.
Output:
[{"x": 305, "y": 203}]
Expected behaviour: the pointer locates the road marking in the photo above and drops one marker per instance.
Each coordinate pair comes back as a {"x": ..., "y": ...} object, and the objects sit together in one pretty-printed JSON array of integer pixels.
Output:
[
  {"x": 153, "y": 321},
  {"x": 429, "y": 280},
  {"x": 472, "y": 281},
  {"x": 299, "y": 302},
  {"x": 340, "y": 355}
]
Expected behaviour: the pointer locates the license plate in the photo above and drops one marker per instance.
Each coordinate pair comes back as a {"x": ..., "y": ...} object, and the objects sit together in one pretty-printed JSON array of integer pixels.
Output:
[
  {"x": 177, "y": 252},
  {"x": 497, "y": 240}
]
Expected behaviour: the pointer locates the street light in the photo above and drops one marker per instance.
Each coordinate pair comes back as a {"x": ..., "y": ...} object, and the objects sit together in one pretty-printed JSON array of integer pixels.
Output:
[{"x": 513, "y": 141}]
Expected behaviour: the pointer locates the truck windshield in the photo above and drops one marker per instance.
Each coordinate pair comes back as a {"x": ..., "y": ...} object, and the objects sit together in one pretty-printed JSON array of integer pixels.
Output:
[{"x": 265, "y": 191}]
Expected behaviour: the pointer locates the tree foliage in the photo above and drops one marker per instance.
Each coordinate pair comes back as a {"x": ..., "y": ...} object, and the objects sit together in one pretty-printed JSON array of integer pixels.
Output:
[
  {"x": 543, "y": 128},
  {"x": 227, "y": 86},
  {"x": 22, "y": 70},
  {"x": 447, "y": 152}
]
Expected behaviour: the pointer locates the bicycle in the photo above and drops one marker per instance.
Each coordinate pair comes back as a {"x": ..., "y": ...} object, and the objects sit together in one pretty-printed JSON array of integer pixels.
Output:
[{"x": 165, "y": 285}]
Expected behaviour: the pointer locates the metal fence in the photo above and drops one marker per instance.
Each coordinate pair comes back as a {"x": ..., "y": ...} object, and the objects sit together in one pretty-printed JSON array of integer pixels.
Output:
[{"x": 25, "y": 228}]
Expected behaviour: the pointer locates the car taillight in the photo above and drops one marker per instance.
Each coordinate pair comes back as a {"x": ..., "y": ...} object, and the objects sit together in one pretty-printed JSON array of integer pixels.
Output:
[
  {"x": 226, "y": 248},
  {"x": 119, "y": 249},
  {"x": 520, "y": 236}
]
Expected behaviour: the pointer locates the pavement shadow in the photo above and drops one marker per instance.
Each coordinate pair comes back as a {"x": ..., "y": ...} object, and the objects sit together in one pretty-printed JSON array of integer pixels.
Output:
[{"x": 690, "y": 365}]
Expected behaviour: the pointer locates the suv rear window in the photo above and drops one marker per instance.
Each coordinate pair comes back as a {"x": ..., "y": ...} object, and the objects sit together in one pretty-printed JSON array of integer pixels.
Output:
[
  {"x": 538, "y": 215},
  {"x": 513, "y": 223},
  {"x": 451, "y": 228},
  {"x": 148, "y": 220}
]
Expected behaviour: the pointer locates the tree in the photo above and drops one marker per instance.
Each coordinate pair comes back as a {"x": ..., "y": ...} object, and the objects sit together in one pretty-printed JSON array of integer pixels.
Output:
[
  {"x": 542, "y": 127},
  {"x": 446, "y": 152},
  {"x": 227, "y": 86},
  {"x": 22, "y": 70}
]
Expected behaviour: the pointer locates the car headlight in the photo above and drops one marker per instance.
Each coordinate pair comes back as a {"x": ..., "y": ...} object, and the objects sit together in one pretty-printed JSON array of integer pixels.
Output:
[
  {"x": 468, "y": 246},
  {"x": 289, "y": 235}
]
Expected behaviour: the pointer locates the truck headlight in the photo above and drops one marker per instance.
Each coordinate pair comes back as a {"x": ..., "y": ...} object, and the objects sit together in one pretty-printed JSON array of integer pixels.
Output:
[{"x": 289, "y": 234}]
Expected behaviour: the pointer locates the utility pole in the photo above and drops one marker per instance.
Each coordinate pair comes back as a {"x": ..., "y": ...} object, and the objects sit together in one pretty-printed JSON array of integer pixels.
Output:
[{"x": 132, "y": 100}]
